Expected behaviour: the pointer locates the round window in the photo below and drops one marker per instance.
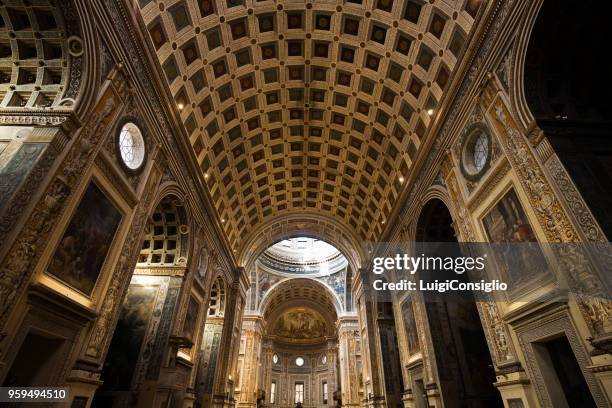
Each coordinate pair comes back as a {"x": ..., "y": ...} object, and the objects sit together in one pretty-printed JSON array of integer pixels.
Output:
[
  {"x": 475, "y": 157},
  {"x": 131, "y": 146},
  {"x": 480, "y": 151},
  {"x": 299, "y": 361},
  {"x": 275, "y": 358}
]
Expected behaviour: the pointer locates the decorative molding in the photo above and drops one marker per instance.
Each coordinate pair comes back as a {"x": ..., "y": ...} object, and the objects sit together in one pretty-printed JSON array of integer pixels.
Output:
[
  {"x": 586, "y": 285},
  {"x": 19, "y": 262},
  {"x": 557, "y": 322},
  {"x": 579, "y": 210},
  {"x": 500, "y": 170}
]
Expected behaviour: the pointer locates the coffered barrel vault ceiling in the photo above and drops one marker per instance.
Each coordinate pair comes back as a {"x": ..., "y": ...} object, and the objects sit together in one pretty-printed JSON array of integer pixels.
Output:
[{"x": 298, "y": 105}]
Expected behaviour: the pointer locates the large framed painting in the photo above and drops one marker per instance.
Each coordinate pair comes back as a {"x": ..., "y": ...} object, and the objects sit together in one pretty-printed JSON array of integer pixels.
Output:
[
  {"x": 84, "y": 246},
  {"x": 519, "y": 255}
]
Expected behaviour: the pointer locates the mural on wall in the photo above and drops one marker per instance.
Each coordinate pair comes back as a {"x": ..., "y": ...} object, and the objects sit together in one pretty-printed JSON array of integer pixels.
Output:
[
  {"x": 300, "y": 323},
  {"x": 208, "y": 359},
  {"x": 82, "y": 250},
  {"x": 159, "y": 342},
  {"x": 127, "y": 341},
  {"x": 266, "y": 281},
  {"x": 17, "y": 169},
  {"x": 507, "y": 221},
  {"x": 508, "y": 224},
  {"x": 411, "y": 327},
  {"x": 191, "y": 318},
  {"x": 203, "y": 263},
  {"x": 336, "y": 282}
]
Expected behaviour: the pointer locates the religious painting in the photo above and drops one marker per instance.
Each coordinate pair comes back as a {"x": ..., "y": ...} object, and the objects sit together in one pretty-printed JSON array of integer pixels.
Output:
[
  {"x": 84, "y": 246},
  {"x": 519, "y": 255},
  {"x": 336, "y": 282},
  {"x": 410, "y": 326},
  {"x": 125, "y": 347},
  {"x": 266, "y": 281},
  {"x": 507, "y": 221},
  {"x": 300, "y": 324},
  {"x": 191, "y": 318},
  {"x": 17, "y": 168},
  {"x": 203, "y": 263}
]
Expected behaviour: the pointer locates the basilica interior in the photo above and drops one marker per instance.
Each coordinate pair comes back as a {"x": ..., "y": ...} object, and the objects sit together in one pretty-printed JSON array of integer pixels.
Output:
[{"x": 193, "y": 194}]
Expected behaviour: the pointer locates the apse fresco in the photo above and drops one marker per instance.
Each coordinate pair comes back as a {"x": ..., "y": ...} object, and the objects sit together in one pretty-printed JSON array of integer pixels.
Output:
[
  {"x": 300, "y": 324},
  {"x": 82, "y": 250}
]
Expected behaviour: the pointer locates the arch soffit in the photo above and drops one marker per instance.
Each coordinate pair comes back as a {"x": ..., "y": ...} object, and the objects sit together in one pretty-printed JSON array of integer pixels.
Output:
[
  {"x": 92, "y": 60},
  {"x": 311, "y": 225},
  {"x": 303, "y": 284},
  {"x": 173, "y": 190},
  {"x": 518, "y": 99},
  {"x": 69, "y": 67},
  {"x": 433, "y": 193}
]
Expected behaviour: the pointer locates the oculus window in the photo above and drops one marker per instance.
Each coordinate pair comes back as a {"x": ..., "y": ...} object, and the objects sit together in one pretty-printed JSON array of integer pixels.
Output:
[{"x": 131, "y": 146}]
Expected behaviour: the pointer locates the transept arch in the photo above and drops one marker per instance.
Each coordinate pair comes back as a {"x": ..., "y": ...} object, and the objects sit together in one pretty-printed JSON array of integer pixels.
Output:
[
  {"x": 167, "y": 236},
  {"x": 312, "y": 225},
  {"x": 294, "y": 290}
]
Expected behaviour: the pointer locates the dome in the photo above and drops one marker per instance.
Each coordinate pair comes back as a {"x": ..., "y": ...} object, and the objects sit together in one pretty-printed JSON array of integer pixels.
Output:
[{"x": 304, "y": 256}]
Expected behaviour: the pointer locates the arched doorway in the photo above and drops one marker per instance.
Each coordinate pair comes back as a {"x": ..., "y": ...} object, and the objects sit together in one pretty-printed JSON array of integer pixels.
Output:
[
  {"x": 208, "y": 355},
  {"x": 389, "y": 352},
  {"x": 141, "y": 335},
  {"x": 568, "y": 96},
  {"x": 464, "y": 365}
]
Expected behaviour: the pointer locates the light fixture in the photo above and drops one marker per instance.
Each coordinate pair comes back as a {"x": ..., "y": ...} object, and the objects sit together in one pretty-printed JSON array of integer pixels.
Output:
[
  {"x": 401, "y": 179},
  {"x": 383, "y": 222},
  {"x": 430, "y": 112},
  {"x": 222, "y": 220},
  {"x": 205, "y": 175},
  {"x": 180, "y": 106}
]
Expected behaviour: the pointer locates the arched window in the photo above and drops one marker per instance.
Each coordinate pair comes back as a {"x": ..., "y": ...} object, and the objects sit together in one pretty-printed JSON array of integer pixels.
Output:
[{"x": 216, "y": 306}]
